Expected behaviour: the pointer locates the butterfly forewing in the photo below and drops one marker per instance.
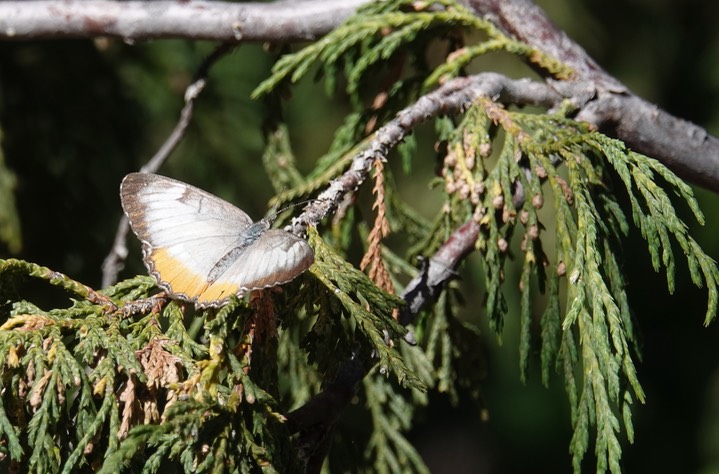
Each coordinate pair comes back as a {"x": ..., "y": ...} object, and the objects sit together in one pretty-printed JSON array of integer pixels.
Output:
[{"x": 186, "y": 232}]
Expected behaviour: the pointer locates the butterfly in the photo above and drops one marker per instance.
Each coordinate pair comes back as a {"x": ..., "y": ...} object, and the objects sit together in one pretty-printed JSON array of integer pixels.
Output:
[{"x": 203, "y": 249}]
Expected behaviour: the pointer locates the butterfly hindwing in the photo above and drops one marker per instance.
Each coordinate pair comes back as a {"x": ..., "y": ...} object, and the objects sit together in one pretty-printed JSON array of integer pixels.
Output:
[{"x": 276, "y": 258}]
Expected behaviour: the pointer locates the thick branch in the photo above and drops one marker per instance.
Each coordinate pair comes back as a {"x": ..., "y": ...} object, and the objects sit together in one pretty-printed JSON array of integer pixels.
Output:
[
  {"x": 682, "y": 146},
  {"x": 685, "y": 148},
  {"x": 525, "y": 21},
  {"x": 141, "y": 20}
]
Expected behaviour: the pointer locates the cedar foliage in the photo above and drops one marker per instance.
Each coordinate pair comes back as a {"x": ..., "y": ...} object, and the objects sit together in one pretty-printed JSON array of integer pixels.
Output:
[{"x": 121, "y": 381}]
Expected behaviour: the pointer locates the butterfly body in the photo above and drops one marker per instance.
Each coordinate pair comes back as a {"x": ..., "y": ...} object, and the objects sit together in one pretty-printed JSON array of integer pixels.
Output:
[{"x": 203, "y": 249}]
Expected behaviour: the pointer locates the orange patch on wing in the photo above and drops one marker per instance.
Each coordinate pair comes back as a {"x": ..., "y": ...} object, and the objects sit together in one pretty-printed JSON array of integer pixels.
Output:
[
  {"x": 217, "y": 291},
  {"x": 186, "y": 282},
  {"x": 178, "y": 276}
]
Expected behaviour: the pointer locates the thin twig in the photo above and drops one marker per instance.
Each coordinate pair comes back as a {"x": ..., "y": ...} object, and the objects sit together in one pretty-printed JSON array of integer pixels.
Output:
[
  {"x": 424, "y": 288},
  {"x": 115, "y": 260}
]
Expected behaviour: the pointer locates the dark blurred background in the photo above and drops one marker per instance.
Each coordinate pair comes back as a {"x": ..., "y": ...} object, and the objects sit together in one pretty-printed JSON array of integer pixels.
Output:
[{"x": 76, "y": 116}]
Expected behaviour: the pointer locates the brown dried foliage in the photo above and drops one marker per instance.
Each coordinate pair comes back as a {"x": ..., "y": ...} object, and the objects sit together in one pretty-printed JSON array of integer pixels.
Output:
[{"x": 372, "y": 259}]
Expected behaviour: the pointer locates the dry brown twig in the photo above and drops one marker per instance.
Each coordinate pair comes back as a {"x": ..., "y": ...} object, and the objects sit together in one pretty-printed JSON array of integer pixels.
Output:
[{"x": 373, "y": 257}]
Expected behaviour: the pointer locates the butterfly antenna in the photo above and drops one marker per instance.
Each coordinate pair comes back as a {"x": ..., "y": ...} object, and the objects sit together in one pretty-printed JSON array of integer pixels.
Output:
[{"x": 274, "y": 215}]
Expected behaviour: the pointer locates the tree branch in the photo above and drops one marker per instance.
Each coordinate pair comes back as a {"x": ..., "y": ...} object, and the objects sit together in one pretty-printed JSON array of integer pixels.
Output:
[
  {"x": 684, "y": 147},
  {"x": 440, "y": 268},
  {"x": 528, "y": 23},
  {"x": 141, "y": 20},
  {"x": 451, "y": 98}
]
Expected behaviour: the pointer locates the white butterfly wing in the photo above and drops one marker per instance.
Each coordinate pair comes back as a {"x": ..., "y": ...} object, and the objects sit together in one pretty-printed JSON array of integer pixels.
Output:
[
  {"x": 275, "y": 258},
  {"x": 186, "y": 231}
]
